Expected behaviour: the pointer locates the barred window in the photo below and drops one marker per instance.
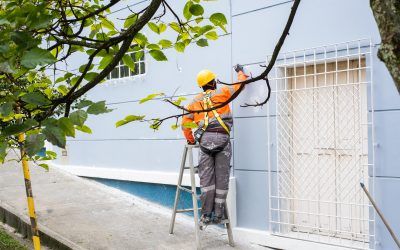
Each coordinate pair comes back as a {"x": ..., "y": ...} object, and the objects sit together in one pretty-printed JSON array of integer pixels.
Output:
[{"x": 122, "y": 70}]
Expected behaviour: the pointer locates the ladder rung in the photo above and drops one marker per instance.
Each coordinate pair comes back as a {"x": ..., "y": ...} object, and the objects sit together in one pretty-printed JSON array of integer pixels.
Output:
[
  {"x": 188, "y": 167},
  {"x": 186, "y": 210},
  {"x": 185, "y": 189},
  {"x": 226, "y": 221}
]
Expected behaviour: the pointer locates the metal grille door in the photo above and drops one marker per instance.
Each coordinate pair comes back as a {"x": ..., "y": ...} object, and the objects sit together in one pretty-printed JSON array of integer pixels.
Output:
[{"x": 322, "y": 146}]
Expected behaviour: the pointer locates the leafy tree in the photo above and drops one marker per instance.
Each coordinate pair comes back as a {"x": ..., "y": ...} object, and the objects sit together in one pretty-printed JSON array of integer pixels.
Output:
[{"x": 38, "y": 35}]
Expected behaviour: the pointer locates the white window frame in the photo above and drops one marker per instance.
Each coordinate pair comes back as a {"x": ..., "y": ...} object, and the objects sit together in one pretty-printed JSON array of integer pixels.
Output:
[{"x": 138, "y": 64}]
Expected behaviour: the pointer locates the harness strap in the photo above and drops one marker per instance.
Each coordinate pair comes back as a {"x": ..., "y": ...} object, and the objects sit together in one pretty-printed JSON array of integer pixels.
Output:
[{"x": 208, "y": 103}]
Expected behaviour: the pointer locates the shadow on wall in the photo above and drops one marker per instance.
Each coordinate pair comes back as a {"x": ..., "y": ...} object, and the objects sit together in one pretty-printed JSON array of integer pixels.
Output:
[{"x": 158, "y": 193}]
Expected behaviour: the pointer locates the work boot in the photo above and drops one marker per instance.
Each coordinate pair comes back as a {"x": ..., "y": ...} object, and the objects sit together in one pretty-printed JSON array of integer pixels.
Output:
[
  {"x": 218, "y": 219},
  {"x": 205, "y": 220}
]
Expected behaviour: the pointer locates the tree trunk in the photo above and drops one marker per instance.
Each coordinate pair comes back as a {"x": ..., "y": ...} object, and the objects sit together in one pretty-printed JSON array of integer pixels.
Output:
[{"x": 387, "y": 16}]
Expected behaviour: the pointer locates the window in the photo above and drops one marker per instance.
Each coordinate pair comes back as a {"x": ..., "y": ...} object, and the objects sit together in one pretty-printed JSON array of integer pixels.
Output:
[{"x": 122, "y": 71}]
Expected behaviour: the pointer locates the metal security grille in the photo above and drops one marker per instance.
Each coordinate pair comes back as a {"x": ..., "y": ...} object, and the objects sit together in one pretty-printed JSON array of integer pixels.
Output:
[{"x": 321, "y": 129}]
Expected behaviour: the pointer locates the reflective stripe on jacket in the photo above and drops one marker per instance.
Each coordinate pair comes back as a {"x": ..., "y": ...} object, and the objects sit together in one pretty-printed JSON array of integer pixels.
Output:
[{"x": 218, "y": 96}]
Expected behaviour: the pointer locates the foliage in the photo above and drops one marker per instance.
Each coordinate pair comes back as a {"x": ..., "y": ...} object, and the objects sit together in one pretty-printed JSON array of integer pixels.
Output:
[
  {"x": 8, "y": 242},
  {"x": 36, "y": 37}
]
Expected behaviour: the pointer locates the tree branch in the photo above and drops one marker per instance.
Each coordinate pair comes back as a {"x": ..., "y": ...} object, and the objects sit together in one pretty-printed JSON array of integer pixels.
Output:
[
  {"x": 387, "y": 16},
  {"x": 131, "y": 33},
  {"x": 263, "y": 75}
]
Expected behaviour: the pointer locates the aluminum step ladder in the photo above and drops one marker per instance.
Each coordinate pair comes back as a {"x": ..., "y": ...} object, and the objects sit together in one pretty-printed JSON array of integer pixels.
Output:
[{"x": 188, "y": 150}]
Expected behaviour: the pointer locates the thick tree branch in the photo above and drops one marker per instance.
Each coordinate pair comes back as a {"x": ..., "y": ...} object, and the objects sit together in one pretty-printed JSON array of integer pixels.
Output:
[
  {"x": 131, "y": 33},
  {"x": 387, "y": 16}
]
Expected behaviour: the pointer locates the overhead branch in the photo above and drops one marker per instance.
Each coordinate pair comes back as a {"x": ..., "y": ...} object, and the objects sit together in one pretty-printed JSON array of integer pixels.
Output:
[
  {"x": 262, "y": 76},
  {"x": 94, "y": 13},
  {"x": 131, "y": 33}
]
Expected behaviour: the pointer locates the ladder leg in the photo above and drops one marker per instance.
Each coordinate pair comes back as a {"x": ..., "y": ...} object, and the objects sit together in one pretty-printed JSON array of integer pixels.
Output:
[
  {"x": 229, "y": 227},
  {"x": 178, "y": 191},
  {"x": 194, "y": 198}
]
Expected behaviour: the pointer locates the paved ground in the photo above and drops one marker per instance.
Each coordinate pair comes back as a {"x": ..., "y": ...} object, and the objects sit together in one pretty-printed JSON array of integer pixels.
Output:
[{"x": 88, "y": 215}]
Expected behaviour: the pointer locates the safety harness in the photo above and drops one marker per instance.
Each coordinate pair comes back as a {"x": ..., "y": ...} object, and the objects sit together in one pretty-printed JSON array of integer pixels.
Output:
[{"x": 208, "y": 104}]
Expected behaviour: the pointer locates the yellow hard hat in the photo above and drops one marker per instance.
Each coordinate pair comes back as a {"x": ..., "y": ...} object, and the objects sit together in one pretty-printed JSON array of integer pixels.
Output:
[{"x": 205, "y": 76}]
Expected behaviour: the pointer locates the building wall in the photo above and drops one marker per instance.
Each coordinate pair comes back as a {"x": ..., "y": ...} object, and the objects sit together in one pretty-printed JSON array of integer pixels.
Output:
[{"x": 255, "y": 26}]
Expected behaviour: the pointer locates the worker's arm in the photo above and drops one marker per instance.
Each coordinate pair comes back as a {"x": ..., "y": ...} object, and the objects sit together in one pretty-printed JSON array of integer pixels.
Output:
[
  {"x": 241, "y": 76},
  {"x": 187, "y": 132}
]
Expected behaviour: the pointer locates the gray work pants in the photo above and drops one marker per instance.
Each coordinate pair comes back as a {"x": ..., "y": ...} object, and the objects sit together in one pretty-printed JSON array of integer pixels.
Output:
[{"x": 214, "y": 172}]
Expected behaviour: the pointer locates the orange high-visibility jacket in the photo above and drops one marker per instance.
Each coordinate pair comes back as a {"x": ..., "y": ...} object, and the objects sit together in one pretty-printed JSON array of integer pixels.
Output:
[{"x": 218, "y": 96}]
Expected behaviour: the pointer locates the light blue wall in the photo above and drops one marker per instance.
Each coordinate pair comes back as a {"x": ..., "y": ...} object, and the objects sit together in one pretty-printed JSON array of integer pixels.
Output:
[{"x": 255, "y": 28}]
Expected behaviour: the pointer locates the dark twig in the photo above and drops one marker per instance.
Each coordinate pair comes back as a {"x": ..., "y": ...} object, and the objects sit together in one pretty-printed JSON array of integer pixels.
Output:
[{"x": 262, "y": 76}]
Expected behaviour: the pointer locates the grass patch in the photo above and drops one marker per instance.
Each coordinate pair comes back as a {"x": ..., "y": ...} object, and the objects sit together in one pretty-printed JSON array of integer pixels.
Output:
[{"x": 9, "y": 243}]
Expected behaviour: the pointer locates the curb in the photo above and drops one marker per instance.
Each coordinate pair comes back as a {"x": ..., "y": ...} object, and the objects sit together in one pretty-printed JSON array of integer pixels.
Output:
[{"x": 22, "y": 225}]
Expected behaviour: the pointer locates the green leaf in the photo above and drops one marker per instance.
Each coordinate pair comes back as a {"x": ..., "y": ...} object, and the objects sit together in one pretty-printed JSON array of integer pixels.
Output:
[
  {"x": 82, "y": 67},
  {"x": 62, "y": 89},
  {"x": 180, "y": 47},
  {"x": 98, "y": 108},
  {"x": 84, "y": 103},
  {"x": 67, "y": 126},
  {"x": 107, "y": 24},
  {"x": 199, "y": 20},
  {"x": 179, "y": 100},
  {"x": 212, "y": 35},
  {"x": 55, "y": 135},
  {"x": 34, "y": 143},
  {"x": 150, "y": 97},
  {"x": 6, "y": 109},
  {"x": 36, "y": 98},
  {"x": 24, "y": 39},
  {"x": 153, "y": 27},
  {"x": 202, "y": 42},
  {"x": 42, "y": 21},
  {"x": 174, "y": 126},
  {"x": 219, "y": 19},
  {"x": 139, "y": 55},
  {"x": 3, "y": 150},
  {"x": 141, "y": 39},
  {"x": 153, "y": 46},
  {"x": 84, "y": 129},
  {"x": 36, "y": 57},
  {"x": 19, "y": 128},
  {"x": 105, "y": 61},
  {"x": 6, "y": 67},
  {"x": 196, "y": 10},
  {"x": 128, "y": 119},
  {"x": 90, "y": 76},
  {"x": 205, "y": 29},
  {"x": 186, "y": 10},
  {"x": 175, "y": 26},
  {"x": 162, "y": 27},
  {"x": 78, "y": 117},
  {"x": 44, "y": 165},
  {"x": 128, "y": 61},
  {"x": 155, "y": 125},
  {"x": 158, "y": 55},
  {"x": 190, "y": 125},
  {"x": 131, "y": 19},
  {"x": 165, "y": 43}
]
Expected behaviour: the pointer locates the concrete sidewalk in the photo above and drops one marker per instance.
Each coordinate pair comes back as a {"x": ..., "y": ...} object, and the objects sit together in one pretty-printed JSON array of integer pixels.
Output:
[{"x": 82, "y": 214}]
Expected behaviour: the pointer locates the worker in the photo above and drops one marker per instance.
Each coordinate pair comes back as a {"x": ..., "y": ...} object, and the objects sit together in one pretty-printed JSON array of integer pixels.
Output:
[{"x": 213, "y": 136}]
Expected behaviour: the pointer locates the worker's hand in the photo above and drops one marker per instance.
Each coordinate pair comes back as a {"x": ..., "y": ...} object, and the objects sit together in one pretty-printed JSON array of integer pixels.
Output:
[
  {"x": 191, "y": 143},
  {"x": 238, "y": 67}
]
